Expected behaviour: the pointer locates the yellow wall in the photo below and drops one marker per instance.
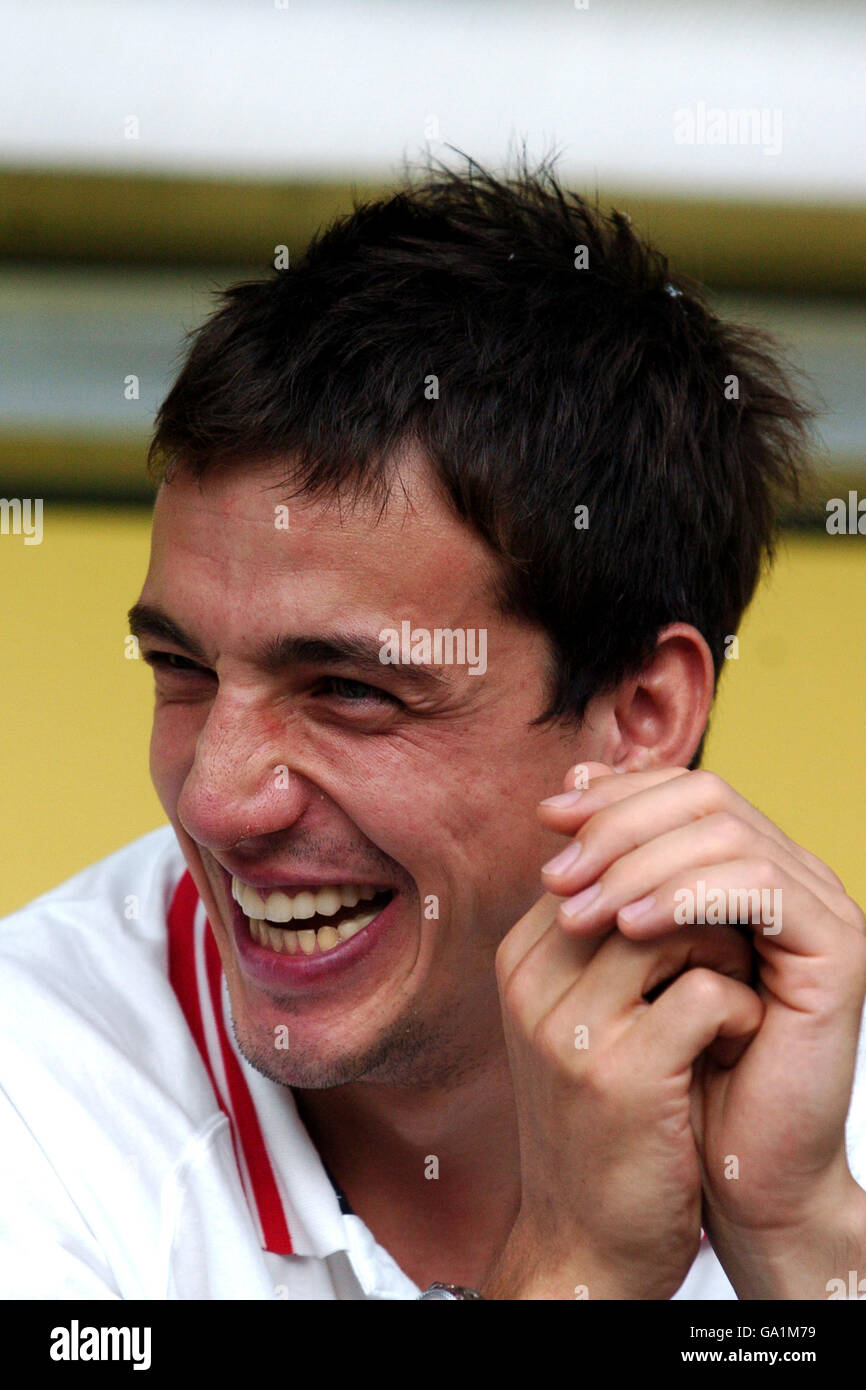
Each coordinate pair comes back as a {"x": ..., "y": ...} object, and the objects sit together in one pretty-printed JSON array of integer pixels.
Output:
[{"x": 787, "y": 729}]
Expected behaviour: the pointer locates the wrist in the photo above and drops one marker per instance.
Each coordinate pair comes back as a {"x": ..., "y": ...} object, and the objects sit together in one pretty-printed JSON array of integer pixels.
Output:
[
  {"x": 525, "y": 1270},
  {"x": 813, "y": 1258}
]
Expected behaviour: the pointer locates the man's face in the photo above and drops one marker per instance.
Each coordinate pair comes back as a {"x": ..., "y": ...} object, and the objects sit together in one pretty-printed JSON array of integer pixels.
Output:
[{"x": 419, "y": 779}]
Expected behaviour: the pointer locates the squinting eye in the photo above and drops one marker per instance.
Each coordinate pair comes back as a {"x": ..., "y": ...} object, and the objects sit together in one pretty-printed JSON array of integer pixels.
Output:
[
  {"x": 356, "y": 691},
  {"x": 172, "y": 662}
]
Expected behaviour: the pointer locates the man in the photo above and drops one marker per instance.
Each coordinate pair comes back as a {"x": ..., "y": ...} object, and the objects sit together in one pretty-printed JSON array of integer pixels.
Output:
[{"x": 457, "y": 511}]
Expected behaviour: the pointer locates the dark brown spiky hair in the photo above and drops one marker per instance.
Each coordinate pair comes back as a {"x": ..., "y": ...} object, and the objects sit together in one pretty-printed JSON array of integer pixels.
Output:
[{"x": 571, "y": 368}]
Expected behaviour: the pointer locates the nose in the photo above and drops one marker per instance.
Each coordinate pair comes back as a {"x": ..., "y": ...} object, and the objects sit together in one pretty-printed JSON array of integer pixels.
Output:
[{"x": 244, "y": 780}]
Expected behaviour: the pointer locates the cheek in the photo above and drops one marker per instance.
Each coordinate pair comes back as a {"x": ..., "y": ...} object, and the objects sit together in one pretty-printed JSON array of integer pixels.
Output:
[
  {"x": 458, "y": 831},
  {"x": 172, "y": 751},
  {"x": 393, "y": 810}
]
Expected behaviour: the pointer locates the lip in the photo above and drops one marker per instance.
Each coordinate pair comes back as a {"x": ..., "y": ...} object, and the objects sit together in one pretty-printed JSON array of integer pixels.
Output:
[{"x": 298, "y": 973}]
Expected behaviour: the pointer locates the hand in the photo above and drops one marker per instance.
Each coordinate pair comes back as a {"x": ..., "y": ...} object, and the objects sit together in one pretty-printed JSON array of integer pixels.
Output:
[
  {"x": 610, "y": 1175},
  {"x": 770, "y": 1126}
]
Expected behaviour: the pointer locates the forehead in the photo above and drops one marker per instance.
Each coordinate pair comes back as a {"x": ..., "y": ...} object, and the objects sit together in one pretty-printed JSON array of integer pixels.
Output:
[{"x": 237, "y": 543}]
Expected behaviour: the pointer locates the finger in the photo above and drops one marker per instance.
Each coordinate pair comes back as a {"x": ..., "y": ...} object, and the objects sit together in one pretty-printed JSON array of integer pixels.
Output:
[
  {"x": 663, "y": 799},
  {"x": 700, "y": 1007},
  {"x": 606, "y": 795},
  {"x": 612, "y": 988},
  {"x": 757, "y": 894},
  {"x": 577, "y": 779},
  {"x": 634, "y": 874},
  {"x": 548, "y": 971},
  {"x": 584, "y": 778},
  {"x": 583, "y": 773},
  {"x": 537, "y": 962},
  {"x": 524, "y": 934},
  {"x": 615, "y": 981}
]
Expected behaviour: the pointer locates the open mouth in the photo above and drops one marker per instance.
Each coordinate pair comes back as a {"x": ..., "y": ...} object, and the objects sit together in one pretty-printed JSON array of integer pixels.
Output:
[{"x": 310, "y": 922}]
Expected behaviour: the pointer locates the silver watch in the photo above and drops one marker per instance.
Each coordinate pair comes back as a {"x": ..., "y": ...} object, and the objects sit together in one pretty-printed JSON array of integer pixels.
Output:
[{"x": 453, "y": 1292}]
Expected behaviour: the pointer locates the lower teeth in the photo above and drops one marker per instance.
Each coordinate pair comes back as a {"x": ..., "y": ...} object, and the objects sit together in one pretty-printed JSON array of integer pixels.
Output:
[{"x": 309, "y": 941}]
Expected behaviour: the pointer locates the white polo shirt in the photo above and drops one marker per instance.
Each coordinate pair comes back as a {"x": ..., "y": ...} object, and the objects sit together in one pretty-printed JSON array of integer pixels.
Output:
[{"x": 141, "y": 1156}]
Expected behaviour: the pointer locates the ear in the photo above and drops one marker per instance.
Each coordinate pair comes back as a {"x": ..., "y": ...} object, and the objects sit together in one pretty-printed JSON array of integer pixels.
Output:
[{"x": 656, "y": 719}]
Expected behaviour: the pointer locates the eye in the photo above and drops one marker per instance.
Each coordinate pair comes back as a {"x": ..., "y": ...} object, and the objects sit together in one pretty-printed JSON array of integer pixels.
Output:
[
  {"x": 355, "y": 692},
  {"x": 170, "y": 661}
]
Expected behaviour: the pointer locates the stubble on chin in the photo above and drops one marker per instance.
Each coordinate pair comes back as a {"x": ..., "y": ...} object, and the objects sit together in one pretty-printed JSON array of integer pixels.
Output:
[{"x": 412, "y": 1052}]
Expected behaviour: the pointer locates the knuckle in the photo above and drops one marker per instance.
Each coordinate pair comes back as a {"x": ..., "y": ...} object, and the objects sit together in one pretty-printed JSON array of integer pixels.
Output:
[
  {"x": 763, "y": 873},
  {"x": 502, "y": 963},
  {"x": 515, "y": 991},
  {"x": 701, "y": 987},
  {"x": 512, "y": 991},
  {"x": 600, "y": 1076},
  {"x": 594, "y": 1075},
  {"x": 547, "y": 1041},
  {"x": 608, "y": 1087},
  {"x": 853, "y": 914},
  {"x": 728, "y": 830},
  {"x": 710, "y": 787}
]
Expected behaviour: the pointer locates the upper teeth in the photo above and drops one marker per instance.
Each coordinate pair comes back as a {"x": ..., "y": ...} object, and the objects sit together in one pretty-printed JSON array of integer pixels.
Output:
[{"x": 290, "y": 907}]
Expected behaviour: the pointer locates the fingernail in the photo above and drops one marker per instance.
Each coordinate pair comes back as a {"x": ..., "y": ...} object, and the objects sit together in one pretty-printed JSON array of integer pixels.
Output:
[
  {"x": 564, "y": 799},
  {"x": 637, "y": 908},
  {"x": 572, "y": 907},
  {"x": 563, "y": 861}
]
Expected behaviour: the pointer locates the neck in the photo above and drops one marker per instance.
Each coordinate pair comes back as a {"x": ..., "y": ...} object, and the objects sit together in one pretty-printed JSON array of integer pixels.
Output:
[{"x": 433, "y": 1171}]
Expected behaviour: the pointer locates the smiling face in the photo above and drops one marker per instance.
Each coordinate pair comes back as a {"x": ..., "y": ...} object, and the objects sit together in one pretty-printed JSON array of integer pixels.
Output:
[{"x": 285, "y": 759}]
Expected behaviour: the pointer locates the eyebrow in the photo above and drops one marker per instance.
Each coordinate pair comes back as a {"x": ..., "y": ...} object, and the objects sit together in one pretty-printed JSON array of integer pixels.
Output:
[{"x": 277, "y": 655}]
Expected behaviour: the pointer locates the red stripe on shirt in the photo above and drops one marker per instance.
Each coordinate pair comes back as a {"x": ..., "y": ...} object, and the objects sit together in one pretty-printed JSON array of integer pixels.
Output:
[
  {"x": 268, "y": 1200},
  {"x": 181, "y": 963},
  {"x": 184, "y": 979},
  {"x": 245, "y": 1126}
]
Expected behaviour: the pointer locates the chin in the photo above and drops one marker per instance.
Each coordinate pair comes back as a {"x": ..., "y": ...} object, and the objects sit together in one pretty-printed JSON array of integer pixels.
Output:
[
  {"x": 406, "y": 1052},
  {"x": 308, "y": 1075},
  {"x": 304, "y": 1068}
]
